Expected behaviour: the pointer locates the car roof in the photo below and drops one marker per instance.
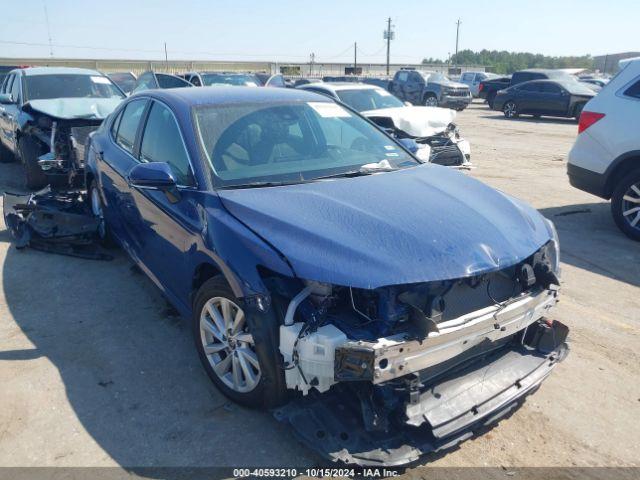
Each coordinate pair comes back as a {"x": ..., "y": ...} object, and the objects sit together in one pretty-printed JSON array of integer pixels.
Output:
[
  {"x": 191, "y": 97},
  {"x": 340, "y": 86},
  {"x": 33, "y": 71}
]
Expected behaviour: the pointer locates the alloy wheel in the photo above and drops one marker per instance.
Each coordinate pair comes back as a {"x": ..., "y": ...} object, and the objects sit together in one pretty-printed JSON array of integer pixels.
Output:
[
  {"x": 431, "y": 102},
  {"x": 510, "y": 110},
  {"x": 631, "y": 206},
  {"x": 228, "y": 345},
  {"x": 96, "y": 209}
]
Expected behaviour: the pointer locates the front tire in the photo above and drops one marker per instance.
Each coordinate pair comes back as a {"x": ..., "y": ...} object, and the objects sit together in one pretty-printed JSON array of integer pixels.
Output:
[
  {"x": 625, "y": 205},
  {"x": 34, "y": 177},
  {"x": 430, "y": 100},
  {"x": 240, "y": 357},
  {"x": 510, "y": 110}
]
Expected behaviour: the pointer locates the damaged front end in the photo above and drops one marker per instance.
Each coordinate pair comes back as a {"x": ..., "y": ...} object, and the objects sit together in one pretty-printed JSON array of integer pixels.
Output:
[
  {"x": 439, "y": 140},
  {"x": 65, "y": 140},
  {"x": 55, "y": 222},
  {"x": 58, "y": 218},
  {"x": 389, "y": 374}
]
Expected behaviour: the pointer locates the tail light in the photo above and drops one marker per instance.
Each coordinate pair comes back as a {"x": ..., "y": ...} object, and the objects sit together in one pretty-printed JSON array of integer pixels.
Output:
[
  {"x": 481, "y": 87},
  {"x": 587, "y": 119}
]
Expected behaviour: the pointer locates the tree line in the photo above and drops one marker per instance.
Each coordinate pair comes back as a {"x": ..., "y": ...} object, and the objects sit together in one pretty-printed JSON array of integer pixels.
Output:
[{"x": 509, "y": 62}]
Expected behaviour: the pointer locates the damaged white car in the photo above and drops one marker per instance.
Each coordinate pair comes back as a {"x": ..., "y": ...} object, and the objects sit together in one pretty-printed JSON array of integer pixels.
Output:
[{"x": 437, "y": 138}]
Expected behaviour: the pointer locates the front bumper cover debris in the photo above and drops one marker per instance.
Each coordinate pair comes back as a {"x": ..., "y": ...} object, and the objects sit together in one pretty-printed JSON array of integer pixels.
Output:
[
  {"x": 449, "y": 409},
  {"x": 54, "y": 222}
]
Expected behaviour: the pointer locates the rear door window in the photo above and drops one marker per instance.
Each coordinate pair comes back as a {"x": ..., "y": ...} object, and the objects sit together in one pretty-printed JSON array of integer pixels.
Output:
[
  {"x": 162, "y": 142},
  {"x": 129, "y": 124},
  {"x": 529, "y": 87},
  {"x": 633, "y": 90},
  {"x": 171, "y": 81},
  {"x": 548, "y": 87}
]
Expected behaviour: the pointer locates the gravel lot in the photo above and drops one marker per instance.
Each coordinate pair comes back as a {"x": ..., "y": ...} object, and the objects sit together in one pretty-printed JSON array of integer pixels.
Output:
[{"x": 96, "y": 370}]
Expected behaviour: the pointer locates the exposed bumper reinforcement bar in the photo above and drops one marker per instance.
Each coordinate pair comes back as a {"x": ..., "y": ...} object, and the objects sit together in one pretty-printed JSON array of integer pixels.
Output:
[
  {"x": 396, "y": 356},
  {"x": 448, "y": 412}
]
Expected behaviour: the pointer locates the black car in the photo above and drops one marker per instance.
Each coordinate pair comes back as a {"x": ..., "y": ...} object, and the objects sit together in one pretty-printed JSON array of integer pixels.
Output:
[
  {"x": 543, "y": 97},
  {"x": 488, "y": 88},
  {"x": 154, "y": 80}
]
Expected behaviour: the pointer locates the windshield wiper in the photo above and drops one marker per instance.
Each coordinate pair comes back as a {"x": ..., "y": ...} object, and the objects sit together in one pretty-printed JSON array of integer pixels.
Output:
[
  {"x": 367, "y": 169},
  {"x": 258, "y": 185}
]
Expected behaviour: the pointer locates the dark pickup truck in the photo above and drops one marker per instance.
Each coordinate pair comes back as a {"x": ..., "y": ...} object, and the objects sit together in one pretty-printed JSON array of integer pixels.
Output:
[{"x": 488, "y": 88}]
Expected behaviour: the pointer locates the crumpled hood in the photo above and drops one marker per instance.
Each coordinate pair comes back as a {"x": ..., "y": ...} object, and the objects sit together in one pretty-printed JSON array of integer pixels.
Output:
[
  {"x": 74, "y": 108},
  {"x": 416, "y": 121},
  {"x": 420, "y": 224}
]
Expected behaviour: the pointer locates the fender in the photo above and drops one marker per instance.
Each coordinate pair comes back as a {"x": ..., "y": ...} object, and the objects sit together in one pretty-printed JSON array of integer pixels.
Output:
[{"x": 624, "y": 161}]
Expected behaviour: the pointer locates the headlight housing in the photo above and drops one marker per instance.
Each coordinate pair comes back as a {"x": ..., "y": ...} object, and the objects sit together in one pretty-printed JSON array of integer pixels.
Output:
[{"x": 553, "y": 250}]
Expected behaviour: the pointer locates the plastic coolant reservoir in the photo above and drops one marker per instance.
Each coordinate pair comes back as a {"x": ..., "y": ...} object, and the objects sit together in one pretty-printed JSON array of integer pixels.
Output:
[{"x": 316, "y": 353}]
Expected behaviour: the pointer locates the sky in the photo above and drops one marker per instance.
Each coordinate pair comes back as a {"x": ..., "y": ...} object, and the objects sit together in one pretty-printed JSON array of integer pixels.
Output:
[{"x": 291, "y": 30}]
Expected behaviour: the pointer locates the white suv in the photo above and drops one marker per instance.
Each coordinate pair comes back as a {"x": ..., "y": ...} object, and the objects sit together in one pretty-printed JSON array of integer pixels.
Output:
[{"x": 605, "y": 159}]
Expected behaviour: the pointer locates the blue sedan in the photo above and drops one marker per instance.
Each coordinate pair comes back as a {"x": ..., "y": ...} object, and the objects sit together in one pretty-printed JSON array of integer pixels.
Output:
[{"x": 314, "y": 252}]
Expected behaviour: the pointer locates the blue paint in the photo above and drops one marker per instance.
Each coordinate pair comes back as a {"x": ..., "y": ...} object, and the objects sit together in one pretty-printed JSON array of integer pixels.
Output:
[{"x": 419, "y": 224}]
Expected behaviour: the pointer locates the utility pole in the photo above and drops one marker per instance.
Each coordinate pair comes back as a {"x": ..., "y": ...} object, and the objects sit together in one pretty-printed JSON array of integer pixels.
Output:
[
  {"x": 457, "y": 38},
  {"x": 312, "y": 59},
  {"x": 388, "y": 36},
  {"x": 355, "y": 58},
  {"x": 46, "y": 17},
  {"x": 166, "y": 58}
]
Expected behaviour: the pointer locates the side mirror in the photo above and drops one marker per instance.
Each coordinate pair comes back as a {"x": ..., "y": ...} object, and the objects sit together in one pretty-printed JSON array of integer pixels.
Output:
[
  {"x": 6, "y": 98},
  {"x": 410, "y": 144},
  {"x": 152, "y": 175}
]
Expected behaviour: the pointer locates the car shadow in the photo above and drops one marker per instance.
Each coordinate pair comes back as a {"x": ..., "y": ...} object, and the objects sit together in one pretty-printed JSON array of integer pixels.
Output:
[
  {"x": 584, "y": 229},
  {"x": 130, "y": 371},
  {"x": 530, "y": 119}
]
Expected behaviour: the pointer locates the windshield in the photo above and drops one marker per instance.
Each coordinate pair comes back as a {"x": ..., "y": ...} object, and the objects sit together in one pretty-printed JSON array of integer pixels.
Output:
[
  {"x": 232, "y": 79},
  {"x": 576, "y": 87},
  {"x": 291, "y": 142},
  {"x": 42, "y": 87},
  {"x": 365, "y": 99}
]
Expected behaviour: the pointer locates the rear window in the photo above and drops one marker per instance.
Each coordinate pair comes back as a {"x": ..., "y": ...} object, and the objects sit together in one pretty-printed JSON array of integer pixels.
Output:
[
  {"x": 171, "y": 81},
  {"x": 633, "y": 90},
  {"x": 230, "y": 79}
]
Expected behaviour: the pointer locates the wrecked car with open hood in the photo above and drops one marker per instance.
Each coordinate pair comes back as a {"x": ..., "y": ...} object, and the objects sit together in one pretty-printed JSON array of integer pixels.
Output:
[
  {"x": 47, "y": 115},
  {"x": 437, "y": 138},
  {"x": 384, "y": 307}
]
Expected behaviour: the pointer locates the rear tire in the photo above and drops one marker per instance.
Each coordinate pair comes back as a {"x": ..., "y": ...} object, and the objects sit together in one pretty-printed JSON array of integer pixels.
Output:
[
  {"x": 252, "y": 349},
  {"x": 490, "y": 98},
  {"x": 624, "y": 202},
  {"x": 34, "y": 177},
  {"x": 97, "y": 210},
  {"x": 510, "y": 110}
]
